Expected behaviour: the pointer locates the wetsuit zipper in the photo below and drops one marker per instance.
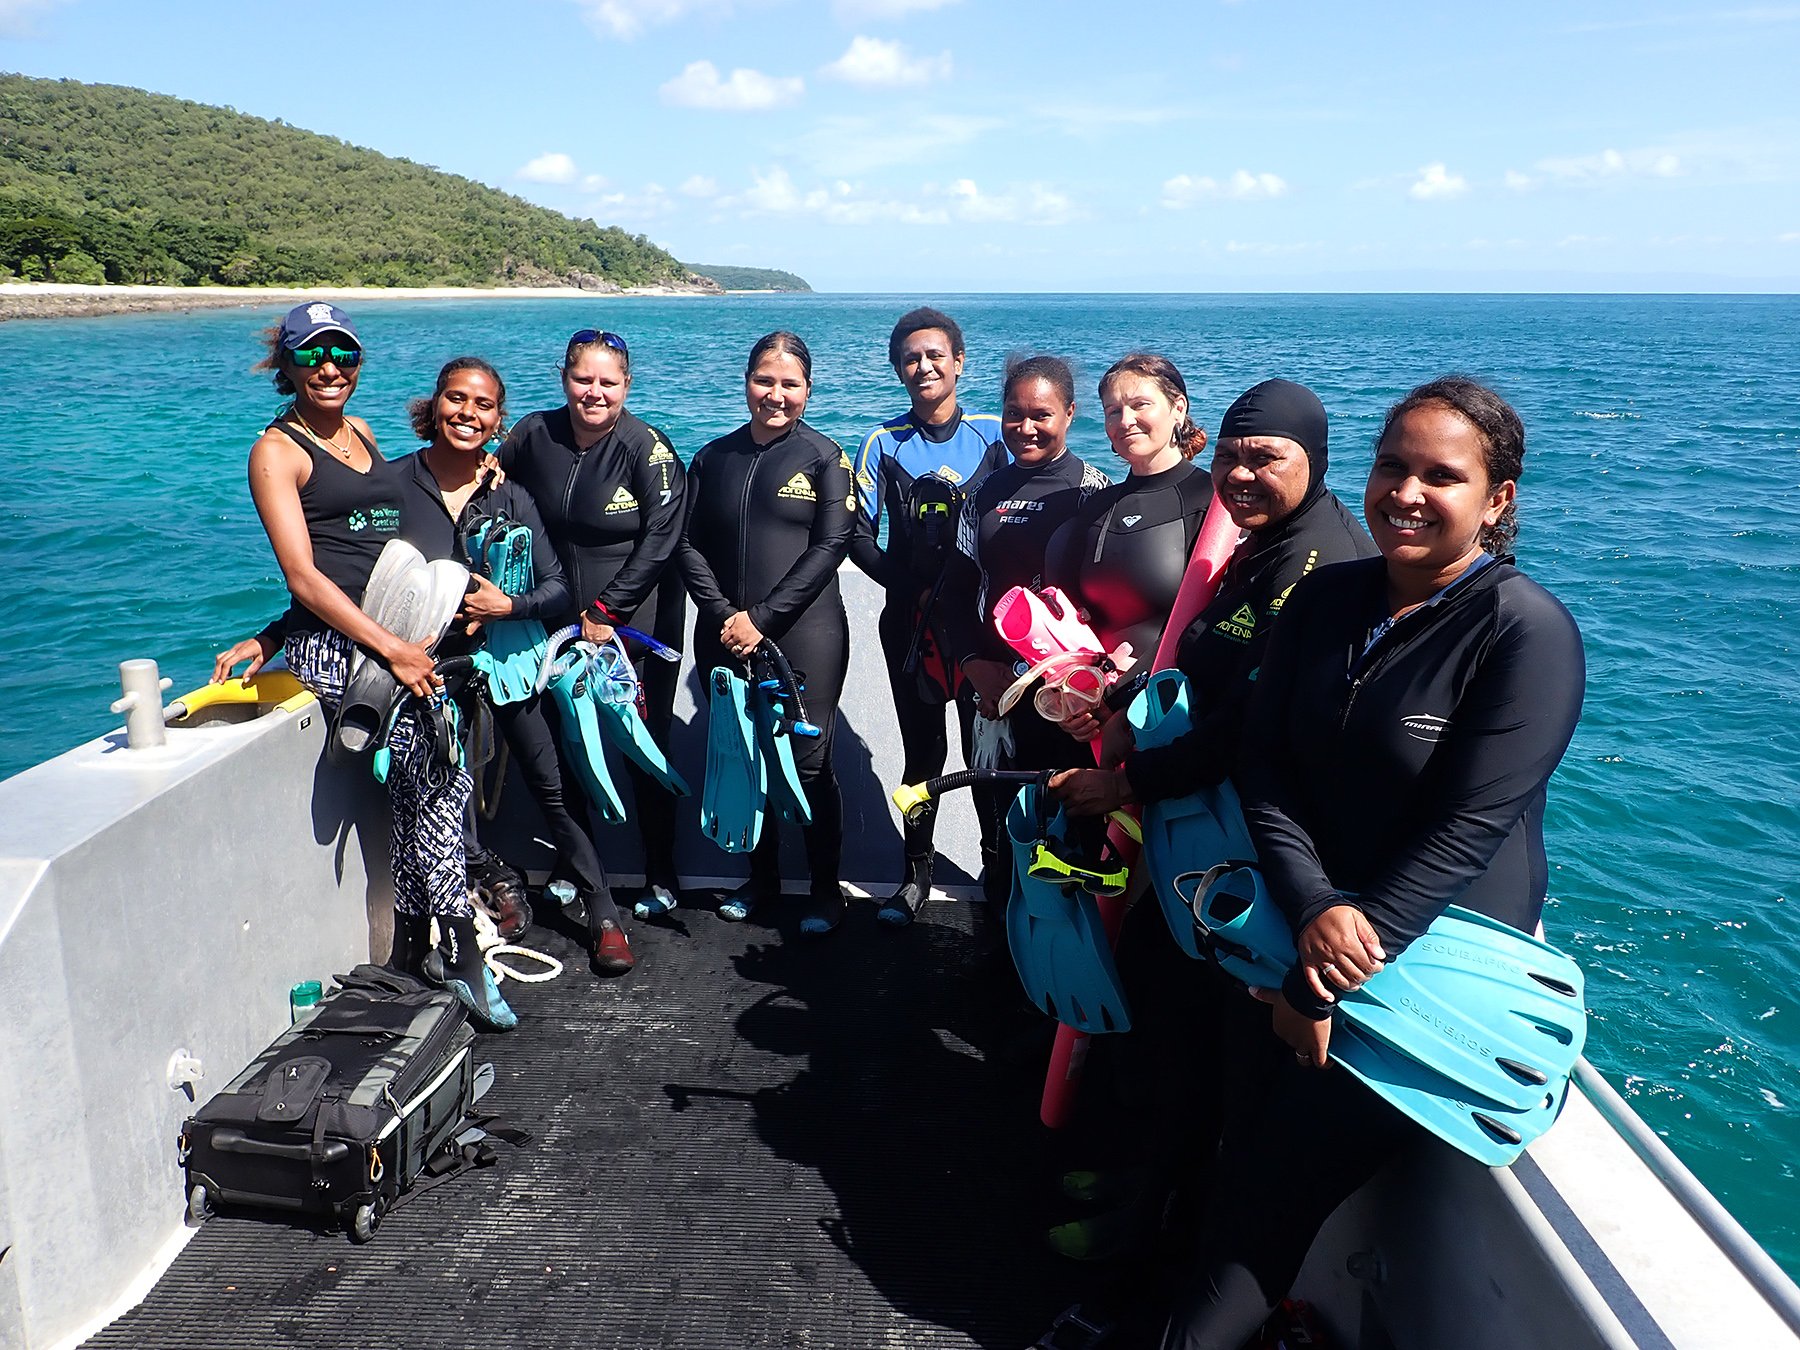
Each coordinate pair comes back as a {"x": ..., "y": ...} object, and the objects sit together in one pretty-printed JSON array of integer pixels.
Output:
[{"x": 744, "y": 526}]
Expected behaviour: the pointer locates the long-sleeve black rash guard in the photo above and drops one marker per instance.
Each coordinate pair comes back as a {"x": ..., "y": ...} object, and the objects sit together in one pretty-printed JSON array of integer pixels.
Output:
[
  {"x": 614, "y": 510},
  {"x": 768, "y": 528},
  {"x": 1412, "y": 775}
]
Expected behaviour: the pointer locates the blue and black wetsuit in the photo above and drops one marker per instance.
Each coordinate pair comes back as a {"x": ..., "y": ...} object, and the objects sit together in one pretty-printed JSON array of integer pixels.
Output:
[
  {"x": 614, "y": 513},
  {"x": 1404, "y": 764},
  {"x": 768, "y": 527},
  {"x": 898, "y": 459}
]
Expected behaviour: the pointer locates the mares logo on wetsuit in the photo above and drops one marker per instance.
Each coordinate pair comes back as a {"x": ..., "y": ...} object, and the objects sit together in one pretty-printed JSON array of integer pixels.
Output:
[
  {"x": 622, "y": 500},
  {"x": 1427, "y": 727},
  {"x": 381, "y": 519},
  {"x": 1241, "y": 625},
  {"x": 1017, "y": 510},
  {"x": 799, "y": 488}
]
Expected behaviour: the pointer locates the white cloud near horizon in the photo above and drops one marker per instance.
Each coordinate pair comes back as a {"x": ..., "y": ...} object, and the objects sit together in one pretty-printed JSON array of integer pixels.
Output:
[
  {"x": 1436, "y": 183},
  {"x": 1607, "y": 164},
  {"x": 1183, "y": 190},
  {"x": 627, "y": 19},
  {"x": 699, "y": 187},
  {"x": 885, "y": 9},
  {"x": 871, "y": 63},
  {"x": 774, "y": 193},
  {"x": 551, "y": 167},
  {"x": 699, "y": 86},
  {"x": 843, "y": 147}
]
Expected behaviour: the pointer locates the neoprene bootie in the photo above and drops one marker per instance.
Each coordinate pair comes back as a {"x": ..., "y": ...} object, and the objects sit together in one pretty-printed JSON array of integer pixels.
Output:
[
  {"x": 456, "y": 964},
  {"x": 825, "y": 911},
  {"x": 412, "y": 939},
  {"x": 903, "y": 906}
]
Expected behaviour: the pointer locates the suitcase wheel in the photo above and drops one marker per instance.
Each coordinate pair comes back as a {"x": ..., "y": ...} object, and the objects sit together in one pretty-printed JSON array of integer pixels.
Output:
[
  {"x": 365, "y": 1220},
  {"x": 199, "y": 1205}
]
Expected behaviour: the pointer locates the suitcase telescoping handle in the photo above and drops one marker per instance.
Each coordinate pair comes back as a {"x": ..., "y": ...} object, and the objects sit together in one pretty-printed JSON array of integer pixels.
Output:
[{"x": 236, "y": 1141}]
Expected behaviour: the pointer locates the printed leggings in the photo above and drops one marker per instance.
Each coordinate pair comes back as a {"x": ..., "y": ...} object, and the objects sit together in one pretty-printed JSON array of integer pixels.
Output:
[{"x": 427, "y": 799}]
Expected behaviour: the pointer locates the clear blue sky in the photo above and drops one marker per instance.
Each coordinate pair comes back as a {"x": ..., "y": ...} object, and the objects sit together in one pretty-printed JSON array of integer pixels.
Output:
[{"x": 970, "y": 145}]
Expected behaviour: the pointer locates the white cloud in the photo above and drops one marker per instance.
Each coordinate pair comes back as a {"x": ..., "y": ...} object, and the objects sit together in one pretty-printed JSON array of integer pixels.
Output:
[
  {"x": 1184, "y": 190},
  {"x": 841, "y": 202},
  {"x": 699, "y": 187},
  {"x": 16, "y": 16},
  {"x": 699, "y": 86},
  {"x": 1091, "y": 121},
  {"x": 1646, "y": 163},
  {"x": 593, "y": 182},
  {"x": 1518, "y": 182},
  {"x": 1437, "y": 183},
  {"x": 842, "y": 147},
  {"x": 650, "y": 203},
  {"x": 1270, "y": 250},
  {"x": 885, "y": 9},
  {"x": 626, "y": 19},
  {"x": 551, "y": 167},
  {"x": 874, "y": 64},
  {"x": 1791, "y": 237}
]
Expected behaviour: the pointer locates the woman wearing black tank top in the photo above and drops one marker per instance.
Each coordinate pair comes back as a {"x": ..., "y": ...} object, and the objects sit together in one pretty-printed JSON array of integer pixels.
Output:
[{"x": 330, "y": 503}]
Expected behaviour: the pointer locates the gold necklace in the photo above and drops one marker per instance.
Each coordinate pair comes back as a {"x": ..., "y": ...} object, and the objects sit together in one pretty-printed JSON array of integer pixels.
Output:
[{"x": 327, "y": 441}]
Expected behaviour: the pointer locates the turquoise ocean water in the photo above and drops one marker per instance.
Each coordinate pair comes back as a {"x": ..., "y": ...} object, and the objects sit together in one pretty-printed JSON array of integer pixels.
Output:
[{"x": 1661, "y": 502}]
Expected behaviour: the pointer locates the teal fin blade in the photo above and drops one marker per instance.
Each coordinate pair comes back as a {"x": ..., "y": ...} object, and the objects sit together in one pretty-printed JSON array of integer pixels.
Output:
[
  {"x": 1159, "y": 714},
  {"x": 587, "y": 748},
  {"x": 1472, "y": 1031},
  {"x": 506, "y": 552},
  {"x": 785, "y": 790},
  {"x": 624, "y": 727},
  {"x": 1187, "y": 834},
  {"x": 515, "y": 654},
  {"x": 1058, "y": 942},
  {"x": 1492, "y": 1009},
  {"x": 736, "y": 786}
]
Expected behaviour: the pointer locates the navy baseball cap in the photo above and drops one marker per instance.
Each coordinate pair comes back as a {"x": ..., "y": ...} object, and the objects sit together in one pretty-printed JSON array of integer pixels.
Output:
[{"x": 305, "y": 322}]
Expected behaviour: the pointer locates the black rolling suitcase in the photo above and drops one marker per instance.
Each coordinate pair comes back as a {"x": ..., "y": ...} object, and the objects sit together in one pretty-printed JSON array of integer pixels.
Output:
[{"x": 343, "y": 1111}]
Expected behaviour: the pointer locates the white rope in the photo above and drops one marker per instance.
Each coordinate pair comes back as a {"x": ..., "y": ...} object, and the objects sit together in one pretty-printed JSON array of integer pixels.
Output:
[{"x": 503, "y": 972}]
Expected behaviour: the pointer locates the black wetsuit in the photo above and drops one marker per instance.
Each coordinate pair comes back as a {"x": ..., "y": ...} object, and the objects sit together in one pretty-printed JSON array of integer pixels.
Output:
[
  {"x": 1006, "y": 527},
  {"x": 429, "y": 528},
  {"x": 962, "y": 451},
  {"x": 614, "y": 513},
  {"x": 1222, "y": 649},
  {"x": 1121, "y": 558},
  {"x": 1409, "y": 772},
  {"x": 767, "y": 530}
]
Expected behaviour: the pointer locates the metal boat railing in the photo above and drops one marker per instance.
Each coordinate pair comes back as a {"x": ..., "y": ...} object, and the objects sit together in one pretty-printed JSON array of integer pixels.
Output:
[{"x": 1744, "y": 1252}]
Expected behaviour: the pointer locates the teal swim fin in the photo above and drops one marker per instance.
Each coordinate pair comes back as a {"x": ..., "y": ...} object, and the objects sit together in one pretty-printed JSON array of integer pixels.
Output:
[
  {"x": 512, "y": 658},
  {"x": 737, "y": 781},
  {"x": 1472, "y": 1031},
  {"x": 415, "y": 601},
  {"x": 1182, "y": 834},
  {"x": 780, "y": 715},
  {"x": 624, "y": 726},
  {"x": 1059, "y": 945},
  {"x": 572, "y": 688}
]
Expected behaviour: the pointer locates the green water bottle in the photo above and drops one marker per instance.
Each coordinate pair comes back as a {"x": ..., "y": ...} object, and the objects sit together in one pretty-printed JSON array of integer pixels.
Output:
[{"x": 303, "y": 998}]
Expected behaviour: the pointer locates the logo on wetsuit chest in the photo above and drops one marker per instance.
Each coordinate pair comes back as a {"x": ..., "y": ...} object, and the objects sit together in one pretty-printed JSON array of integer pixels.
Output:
[
  {"x": 1241, "y": 625},
  {"x": 381, "y": 519},
  {"x": 622, "y": 500},
  {"x": 799, "y": 488},
  {"x": 1129, "y": 521},
  {"x": 1425, "y": 727}
]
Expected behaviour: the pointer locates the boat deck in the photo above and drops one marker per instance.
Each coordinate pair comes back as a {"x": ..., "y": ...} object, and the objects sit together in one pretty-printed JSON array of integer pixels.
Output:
[{"x": 754, "y": 1140}]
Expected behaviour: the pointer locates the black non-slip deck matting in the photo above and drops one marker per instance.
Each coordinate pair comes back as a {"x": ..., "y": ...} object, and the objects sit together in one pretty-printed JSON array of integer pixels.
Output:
[{"x": 756, "y": 1139}]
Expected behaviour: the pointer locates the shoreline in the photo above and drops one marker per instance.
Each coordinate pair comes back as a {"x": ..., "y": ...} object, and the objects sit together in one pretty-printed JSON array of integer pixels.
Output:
[{"x": 64, "y": 300}]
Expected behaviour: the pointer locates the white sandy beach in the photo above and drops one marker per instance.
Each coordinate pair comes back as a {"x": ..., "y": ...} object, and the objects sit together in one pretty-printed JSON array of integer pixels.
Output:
[{"x": 52, "y": 300}]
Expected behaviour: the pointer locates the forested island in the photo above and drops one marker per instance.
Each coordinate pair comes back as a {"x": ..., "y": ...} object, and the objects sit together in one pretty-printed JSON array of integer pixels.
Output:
[
  {"x": 752, "y": 278},
  {"x": 105, "y": 184}
]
